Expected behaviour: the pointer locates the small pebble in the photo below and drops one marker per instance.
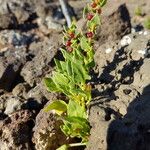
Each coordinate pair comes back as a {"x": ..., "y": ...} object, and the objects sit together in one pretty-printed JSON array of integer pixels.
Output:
[
  {"x": 133, "y": 30},
  {"x": 108, "y": 50},
  {"x": 126, "y": 40},
  {"x": 145, "y": 33},
  {"x": 142, "y": 52},
  {"x": 141, "y": 32}
]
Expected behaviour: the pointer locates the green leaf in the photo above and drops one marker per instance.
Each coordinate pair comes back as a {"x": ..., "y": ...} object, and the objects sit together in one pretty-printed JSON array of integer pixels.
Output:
[
  {"x": 67, "y": 56},
  {"x": 74, "y": 109},
  {"x": 69, "y": 68},
  {"x": 63, "y": 147},
  {"x": 59, "y": 106},
  {"x": 63, "y": 66},
  {"x": 81, "y": 74},
  {"x": 58, "y": 65},
  {"x": 51, "y": 86},
  {"x": 76, "y": 127},
  {"x": 85, "y": 11},
  {"x": 60, "y": 78},
  {"x": 103, "y": 2},
  {"x": 84, "y": 44},
  {"x": 96, "y": 19}
]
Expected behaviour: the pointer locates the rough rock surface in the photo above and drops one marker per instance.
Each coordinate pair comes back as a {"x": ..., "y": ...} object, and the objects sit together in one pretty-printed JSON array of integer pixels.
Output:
[
  {"x": 47, "y": 133},
  {"x": 115, "y": 25},
  {"x": 10, "y": 65},
  {"x": 15, "y": 131},
  {"x": 119, "y": 112},
  {"x": 33, "y": 74}
]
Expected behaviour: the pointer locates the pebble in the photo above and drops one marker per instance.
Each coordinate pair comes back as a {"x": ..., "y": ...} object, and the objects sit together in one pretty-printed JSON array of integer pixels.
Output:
[
  {"x": 142, "y": 52},
  {"x": 126, "y": 40},
  {"x": 145, "y": 33},
  {"x": 108, "y": 50},
  {"x": 141, "y": 32}
]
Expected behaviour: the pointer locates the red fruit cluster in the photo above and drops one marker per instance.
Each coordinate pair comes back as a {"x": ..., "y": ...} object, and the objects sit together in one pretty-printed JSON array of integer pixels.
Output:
[
  {"x": 89, "y": 34},
  {"x": 72, "y": 35},
  {"x": 69, "y": 49},
  {"x": 93, "y": 5},
  {"x": 89, "y": 16},
  {"x": 99, "y": 10},
  {"x": 68, "y": 43}
]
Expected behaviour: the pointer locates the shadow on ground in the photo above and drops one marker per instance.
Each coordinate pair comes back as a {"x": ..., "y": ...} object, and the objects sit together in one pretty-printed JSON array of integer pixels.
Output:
[{"x": 132, "y": 132}]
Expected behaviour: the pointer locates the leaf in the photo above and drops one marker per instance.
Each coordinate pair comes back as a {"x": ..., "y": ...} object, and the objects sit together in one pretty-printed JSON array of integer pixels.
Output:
[
  {"x": 51, "y": 86},
  {"x": 81, "y": 74},
  {"x": 58, "y": 65},
  {"x": 60, "y": 78},
  {"x": 103, "y": 2},
  {"x": 74, "y": 109},
  {"x": 63, "y": 66},
  {"x": 76, "y": 127},
  {"x": 67, "y": 56},
  {"x": 63, "y": 147},
  {"x": 84, "y": 44},
  {"x": 94, "y": 21},
  {"x": 85, "y": 11},
  {"x": 59, "y": 106},
  {"x": 69, "y": 68}
]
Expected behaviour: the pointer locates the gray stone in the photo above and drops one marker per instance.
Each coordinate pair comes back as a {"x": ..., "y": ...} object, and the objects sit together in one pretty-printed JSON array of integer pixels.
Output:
[
  {"x": 15, "y": 38},
  {"x": 10, "y": 66},
  {"x": 7, "y": 21},
  {"x": 20, "y": 90},
  {"x": 16, "y": 131},
  {"x": 115, "y": 24},
  {"x": 40, "y": 65},
  {"x": 10, "y": 103}
]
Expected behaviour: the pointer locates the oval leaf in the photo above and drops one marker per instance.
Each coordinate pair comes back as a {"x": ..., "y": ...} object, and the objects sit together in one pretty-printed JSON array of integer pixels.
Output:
[{"x": 59, "y": 106}]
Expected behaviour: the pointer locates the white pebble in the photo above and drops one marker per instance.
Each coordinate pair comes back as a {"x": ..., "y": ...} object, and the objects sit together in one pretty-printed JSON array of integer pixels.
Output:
[
  {"x": 142, "y": 52},
  {"x": 141, "y": 32},
  {"x": 145, "y": 33},
  {"x": 108, "y": 50},
  {"x": 126, "y": 40},
  {"x": 133, "y": 30}
]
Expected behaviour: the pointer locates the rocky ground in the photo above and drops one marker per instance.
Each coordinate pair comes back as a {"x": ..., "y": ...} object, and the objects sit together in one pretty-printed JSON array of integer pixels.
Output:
[{"x": 30, "y": 38}]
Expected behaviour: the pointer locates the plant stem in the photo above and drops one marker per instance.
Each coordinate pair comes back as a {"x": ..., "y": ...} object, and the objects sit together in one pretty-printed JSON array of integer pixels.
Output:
[
  {"x": 77, "y": 144},
  {"x": 64, "y": 6}
]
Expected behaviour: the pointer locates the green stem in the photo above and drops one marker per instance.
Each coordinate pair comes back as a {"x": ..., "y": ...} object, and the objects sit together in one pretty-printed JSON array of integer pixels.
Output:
[{"x": 77, "y": 144}]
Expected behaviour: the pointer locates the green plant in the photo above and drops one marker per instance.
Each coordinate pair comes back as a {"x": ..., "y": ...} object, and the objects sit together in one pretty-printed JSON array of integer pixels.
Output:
[
  {"x": 147, "y": 23},
  {"x": 71, "y": 76},
  {"x": 138, "y": 11}
]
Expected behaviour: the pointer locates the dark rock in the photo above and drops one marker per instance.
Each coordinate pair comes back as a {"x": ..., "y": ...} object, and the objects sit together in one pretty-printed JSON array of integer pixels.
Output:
[
  {"x": 115, "y": 25},
  {"x": 20, "y": 9},
  {"x": 16, "y": 38},
  {"x": 38, "y": 96},
  {"x": 10, "y": 65},
  {"x": 9, "y": 103},
  {"x": 132, "y": 131},
  {"x": 8, "y": 21},
  {"x": 15, "y": 131},
  {"x": 20, "y": 90},
  {"x": 40, "y": 65},
  {"x": 47, "y": 134}
]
